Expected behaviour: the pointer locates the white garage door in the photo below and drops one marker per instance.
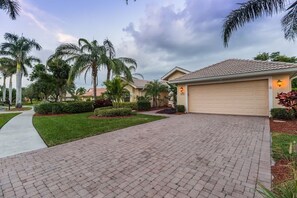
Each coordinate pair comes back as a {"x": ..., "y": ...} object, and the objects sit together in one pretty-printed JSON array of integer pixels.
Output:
[{"x": 238, "y": 98}]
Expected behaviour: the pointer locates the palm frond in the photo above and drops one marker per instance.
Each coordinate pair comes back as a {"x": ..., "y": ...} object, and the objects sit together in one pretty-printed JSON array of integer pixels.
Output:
[
  {"x": 247, "y": 12},
  {"x": 289, "y": 22},
  {"x": 11, "y": 7}
]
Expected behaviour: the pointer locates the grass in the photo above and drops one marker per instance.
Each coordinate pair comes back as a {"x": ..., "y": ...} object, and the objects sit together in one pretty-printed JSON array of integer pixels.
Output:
[
  {"x": 19, "y": 109},
  {"x": 280, "y": 145},
  {"x": 5, "y": 117},
  {"x": 61, "y": 129}
]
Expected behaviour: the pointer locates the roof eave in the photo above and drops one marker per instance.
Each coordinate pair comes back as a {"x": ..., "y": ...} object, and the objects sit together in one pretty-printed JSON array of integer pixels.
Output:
[
  {"x": 174, "y": 70},
  {"x": 235, "y": 76}
]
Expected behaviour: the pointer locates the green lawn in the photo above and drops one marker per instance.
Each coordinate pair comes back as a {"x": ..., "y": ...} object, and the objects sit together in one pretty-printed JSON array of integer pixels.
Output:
[
  {"x": 61, "y": 129},
  {"x": 280, "y": 145},
  {"x": 5, "y": 117}
]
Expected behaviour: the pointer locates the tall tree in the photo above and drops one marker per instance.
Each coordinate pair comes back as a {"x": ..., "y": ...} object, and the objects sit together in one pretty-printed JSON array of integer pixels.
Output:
[
  {"x": 11, "y": 7},
  {"x": 7, "y": 68},
  {"x": 118, "y": 66},
  {"x": 86, "y": 56},
  {"x": 276, "y": 57},
  {"x": 254, "y": 9},
  {"x": 154, "y": 89},
  {"x": 18, "y": 48}
]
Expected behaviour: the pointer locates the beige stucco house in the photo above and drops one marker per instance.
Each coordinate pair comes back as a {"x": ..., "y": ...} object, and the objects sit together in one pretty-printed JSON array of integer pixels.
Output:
[
  {"x": 136, "y": 88},
  {"x": 236, "y": 87}
]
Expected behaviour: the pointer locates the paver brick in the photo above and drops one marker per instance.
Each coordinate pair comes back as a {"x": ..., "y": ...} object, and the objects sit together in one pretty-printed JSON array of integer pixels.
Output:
[{"x": 183, "y": 156}]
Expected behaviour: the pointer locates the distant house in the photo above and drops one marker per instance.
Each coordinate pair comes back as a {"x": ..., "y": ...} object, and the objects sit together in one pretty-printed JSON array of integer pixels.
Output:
[
  {"x": 136, "y": 88},
  {"x": 90, "y": 93}
]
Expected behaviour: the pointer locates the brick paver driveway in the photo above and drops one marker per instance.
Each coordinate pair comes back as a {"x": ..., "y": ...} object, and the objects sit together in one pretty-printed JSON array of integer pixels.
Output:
[{"x": 182, "y": 156}]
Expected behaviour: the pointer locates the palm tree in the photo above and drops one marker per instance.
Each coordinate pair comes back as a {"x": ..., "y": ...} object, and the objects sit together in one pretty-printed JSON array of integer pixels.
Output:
[
  {"x": 18, "y": 48},
  {"x": 117, "y": 66},
  {"x": 154, "y": 89},
  {"x": 86, "y": 56},
  {"x": 115, "y": 89},
  {"x": 253, "y": 9},
  {"x": 12, "y": 8},
  {"x": 9, "y": 66}
]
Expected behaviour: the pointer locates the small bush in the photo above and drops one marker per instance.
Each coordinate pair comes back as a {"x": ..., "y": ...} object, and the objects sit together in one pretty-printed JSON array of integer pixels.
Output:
[
  {"x": 102, "y": 103},
  {"x": 62, "y": 107},
  {"x": 180, "y": 108},
  {"x": 78, "y": 107},
  {"x": 143, "y": 105},
  {"x": 49, "y": 108},
  {"x": 167, "y": 111},
  {"x": 132, "y": 105},
  {"x": 113, "y": 112},
  {"x": 283, "y": 114}
]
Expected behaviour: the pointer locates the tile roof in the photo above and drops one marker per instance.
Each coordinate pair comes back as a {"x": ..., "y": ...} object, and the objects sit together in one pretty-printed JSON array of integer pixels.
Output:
[
  {"x": 90, "y": 92},
  {"x": 233, "y": 67},
  {"x": 139, "y": 83}
]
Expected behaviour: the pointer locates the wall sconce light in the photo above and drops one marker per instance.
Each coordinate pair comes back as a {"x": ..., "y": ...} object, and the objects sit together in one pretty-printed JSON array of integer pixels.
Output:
[
  {"x": 279, "y": 83},
  {"x": 182, "y": 90}
]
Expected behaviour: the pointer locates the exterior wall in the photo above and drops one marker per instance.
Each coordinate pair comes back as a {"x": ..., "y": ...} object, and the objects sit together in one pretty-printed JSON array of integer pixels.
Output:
[
  {"x": 175, "y": 75},
  {"x": 181, "y": 97},
  {"x": 134, "y": 93},
  {"x": 286, "y": 87}
]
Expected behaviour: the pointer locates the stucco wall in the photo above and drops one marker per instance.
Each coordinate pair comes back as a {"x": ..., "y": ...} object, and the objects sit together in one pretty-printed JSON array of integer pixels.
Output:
[
  {"x": 175, "y": 75},
  {"x": 286, "y": 87},
  {"x": 181, "y": 98}
]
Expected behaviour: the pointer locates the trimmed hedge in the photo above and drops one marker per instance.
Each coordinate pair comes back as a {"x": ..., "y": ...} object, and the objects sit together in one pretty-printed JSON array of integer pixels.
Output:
[
  {"x": 62, "y": 107},
  {"x": 283, "y": 114},
  {"x": 102, "y": 103},
  {"x": 143, "y": 105},
  {"x": 113, "y": 112},
  {"x": 132, "y": 105},
  {"x": 180, "y": 108}
]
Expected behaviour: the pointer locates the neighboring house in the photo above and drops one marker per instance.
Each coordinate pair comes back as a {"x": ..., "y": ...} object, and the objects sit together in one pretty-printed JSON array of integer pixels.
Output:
[
  {"x": 236, "y": 87},
  {"x": 90, "y": 93},
  {"x": 136, "y": 88}
]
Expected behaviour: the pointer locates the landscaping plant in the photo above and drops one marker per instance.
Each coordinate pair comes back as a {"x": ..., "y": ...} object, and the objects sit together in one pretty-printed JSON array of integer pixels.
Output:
[
  {"x": 288, "y": 100},
  {"x": 283, "y": 114},
  {"x": 114, "y": 112}
]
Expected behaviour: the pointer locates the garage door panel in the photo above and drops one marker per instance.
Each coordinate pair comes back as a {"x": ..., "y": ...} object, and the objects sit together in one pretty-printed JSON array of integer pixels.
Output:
[{"x": 240, "y": 98}]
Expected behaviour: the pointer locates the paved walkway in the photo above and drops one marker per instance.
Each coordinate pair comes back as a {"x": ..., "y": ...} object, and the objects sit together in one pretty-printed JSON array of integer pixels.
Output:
[
  {"x": 182, "y": 156},
  {"x": 19, "y": 135}
]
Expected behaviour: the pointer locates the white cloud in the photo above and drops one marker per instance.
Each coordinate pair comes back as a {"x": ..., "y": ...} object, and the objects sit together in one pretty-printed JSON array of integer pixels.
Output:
[{"x": 66, "y": 38}]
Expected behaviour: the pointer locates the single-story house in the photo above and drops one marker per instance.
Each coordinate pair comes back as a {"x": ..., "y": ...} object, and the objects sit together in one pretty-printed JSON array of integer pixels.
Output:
[
  {"x": 236, "y": 87},
  {"x": 90, "y": 93},
  {"x": 136, "y": 88}
]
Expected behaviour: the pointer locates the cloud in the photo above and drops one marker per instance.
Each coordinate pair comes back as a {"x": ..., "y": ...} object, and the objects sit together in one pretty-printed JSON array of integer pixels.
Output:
[
  {"x": 66, "y": 38},
  {"x": 191, "y": 37}
]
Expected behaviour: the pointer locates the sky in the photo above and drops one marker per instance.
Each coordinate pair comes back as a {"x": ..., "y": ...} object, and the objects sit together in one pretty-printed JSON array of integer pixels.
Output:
[{"x": 158, "y": 34}]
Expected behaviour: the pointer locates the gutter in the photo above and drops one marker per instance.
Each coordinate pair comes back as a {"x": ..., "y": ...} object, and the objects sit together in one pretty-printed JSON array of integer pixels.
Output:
[{"x": 235, "y": 76}]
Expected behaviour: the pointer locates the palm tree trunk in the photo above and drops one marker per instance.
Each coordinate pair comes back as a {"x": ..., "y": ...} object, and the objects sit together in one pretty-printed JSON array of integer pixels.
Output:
[
  {"x": 10, "y": 90},
  {"x": 4, "y": 89},
  {"x": 94, "y": 74},
  {"x": 18, "y": 99},
  {"x": 108, "y": 74}
]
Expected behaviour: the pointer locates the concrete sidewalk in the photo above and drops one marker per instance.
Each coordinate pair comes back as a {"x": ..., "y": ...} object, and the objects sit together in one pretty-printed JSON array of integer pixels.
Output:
[{"x": 19, "y": 135}]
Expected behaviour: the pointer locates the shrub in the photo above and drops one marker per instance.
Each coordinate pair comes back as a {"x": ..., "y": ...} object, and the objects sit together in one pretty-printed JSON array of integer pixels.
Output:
[
  {"x": 167, "y": 111},
  {"x": 283, "y": 114},
  {"x": 180, "y": 108},
  {"x": 143, "y": 105},
  {"x": 113, "y": 112},
  {"x": 62, "y": 107},
  {"x": 288, "y": 100},
  {"x": 78, "y": 107},
  {"x": 102, "y": 103},
  {"x": 49, "y": 108},
  {"x": 132, "y": 105}
]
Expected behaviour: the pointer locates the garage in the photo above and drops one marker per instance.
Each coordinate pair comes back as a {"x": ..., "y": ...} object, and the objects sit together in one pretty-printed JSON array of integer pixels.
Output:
[{"x": 236, "y": 98}]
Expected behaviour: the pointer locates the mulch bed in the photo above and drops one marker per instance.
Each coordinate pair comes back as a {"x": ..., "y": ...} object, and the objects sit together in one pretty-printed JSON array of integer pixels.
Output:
[
  {"x": 281, "y": 172},
  {"x": 99, "y": 118},
  {"x": 289, "y": 127}
]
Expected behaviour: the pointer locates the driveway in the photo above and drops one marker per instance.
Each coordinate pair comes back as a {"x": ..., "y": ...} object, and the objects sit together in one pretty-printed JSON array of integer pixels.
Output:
[{"x": 182, "y": 156}]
